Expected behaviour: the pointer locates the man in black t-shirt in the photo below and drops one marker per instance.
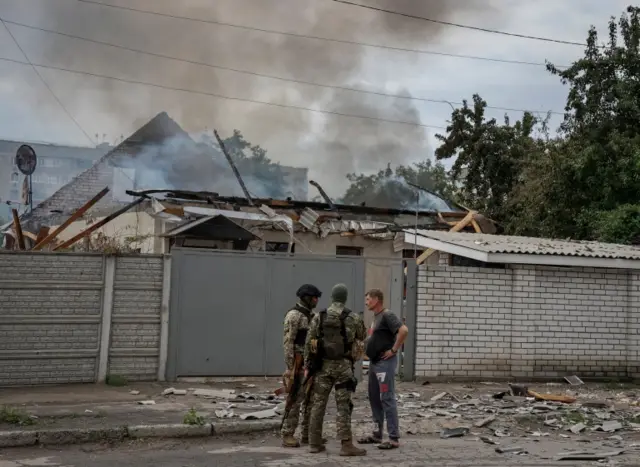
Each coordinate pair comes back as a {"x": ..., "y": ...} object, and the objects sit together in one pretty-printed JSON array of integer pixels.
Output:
[{"x": 386, "y": 336}]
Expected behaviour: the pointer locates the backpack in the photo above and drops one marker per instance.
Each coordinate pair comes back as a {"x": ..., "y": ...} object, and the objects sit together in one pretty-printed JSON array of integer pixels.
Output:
[{"x": 332, "y": 332}]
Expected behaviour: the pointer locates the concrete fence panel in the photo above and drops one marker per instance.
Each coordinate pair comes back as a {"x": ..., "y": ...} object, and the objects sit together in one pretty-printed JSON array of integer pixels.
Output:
[{"x": 75, "y": 318}]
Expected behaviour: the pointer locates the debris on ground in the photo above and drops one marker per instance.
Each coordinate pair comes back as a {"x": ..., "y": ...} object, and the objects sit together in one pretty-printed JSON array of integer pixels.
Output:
[
  {"x": 573, "y": 380},
  {"x": 454, "y": 432},
  {"x": 511, "y": 450},
  {"x": 587, "y": 456}
]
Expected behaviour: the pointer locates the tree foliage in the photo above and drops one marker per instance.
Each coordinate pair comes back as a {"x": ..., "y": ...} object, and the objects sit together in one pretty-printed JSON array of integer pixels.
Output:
[
  {"x": 584, "y": 181},
  {"x": 389, "y": 188},
  {"x": 256, "y": 169}
]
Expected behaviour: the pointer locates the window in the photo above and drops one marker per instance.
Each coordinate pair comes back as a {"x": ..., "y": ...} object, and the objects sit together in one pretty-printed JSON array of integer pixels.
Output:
[
  {"x": 279, "y": 247},
  {"x": 411, "y": 253},
  {"x": 349, "y": 251}
]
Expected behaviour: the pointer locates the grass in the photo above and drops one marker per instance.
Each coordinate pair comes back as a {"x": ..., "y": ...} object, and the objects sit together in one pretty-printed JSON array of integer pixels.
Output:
[
  {"x": 13, "y": 416},
  {"x": 192, "y": 418}
]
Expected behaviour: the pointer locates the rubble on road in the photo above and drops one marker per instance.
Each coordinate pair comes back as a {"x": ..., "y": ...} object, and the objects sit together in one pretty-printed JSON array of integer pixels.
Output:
[{"x": 570, "y": 412}]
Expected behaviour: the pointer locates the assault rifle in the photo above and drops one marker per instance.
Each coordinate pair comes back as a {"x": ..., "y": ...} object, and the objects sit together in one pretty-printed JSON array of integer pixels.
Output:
[{"x": 292, "y": 387}]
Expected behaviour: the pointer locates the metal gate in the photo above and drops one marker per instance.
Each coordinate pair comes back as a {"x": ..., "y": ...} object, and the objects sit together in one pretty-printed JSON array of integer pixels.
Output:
[{"x": 227, "y": 308}]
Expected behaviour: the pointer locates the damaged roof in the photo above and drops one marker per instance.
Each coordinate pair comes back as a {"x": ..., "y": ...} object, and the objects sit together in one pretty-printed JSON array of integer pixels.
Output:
[
  {"x": 83, "y": 187},
  {"x": 512, "y": 249}
]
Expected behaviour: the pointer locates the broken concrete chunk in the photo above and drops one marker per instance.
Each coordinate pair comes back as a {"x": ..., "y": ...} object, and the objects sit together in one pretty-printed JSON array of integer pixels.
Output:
[
  {"x": 263, "y": 414},
  {"x": 485, "y": 421},
  {"x": 437, "y": 397},
  {"x": 453, "y": 432},
  {"x": 577, "y": 428},
  {"x": 487, "y": 440},
  {"x": 573, "y": 380},
  {"x": 168, "y": 392},
  {"x": 214, "y": 393},
  {"x": 147, "y": 402},
  {"x": 586, "y": 456},
  {"x": 224, "y": 413},
  {"x": 511, "y": 450},
  {"x": 134, "y": 393},
  {"x": 610, "y": 426}
]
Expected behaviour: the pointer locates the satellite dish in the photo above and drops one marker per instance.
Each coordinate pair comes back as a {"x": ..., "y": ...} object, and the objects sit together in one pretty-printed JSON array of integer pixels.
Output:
[{"x": 26, "y": 159}]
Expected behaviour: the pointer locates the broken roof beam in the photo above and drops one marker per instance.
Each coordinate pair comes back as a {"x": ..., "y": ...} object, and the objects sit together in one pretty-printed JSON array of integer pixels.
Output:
[
  {"x": 74, "y": 217},
  {"x": 324, "y": 194},
  {"x": 234, "y": 168},
  {"x": 98, "y": 224},
  {"x": 456, "y": 228},
  {"x": 18, "y": 228}
]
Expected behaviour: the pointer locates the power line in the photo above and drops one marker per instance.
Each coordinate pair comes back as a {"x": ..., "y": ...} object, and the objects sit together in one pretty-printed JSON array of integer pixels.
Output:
[
  {"x": 220, "y": 96},
  {"x": 252, "y": 73},
  {"x": 319, "y": 38},
  {"x": 464, "y": 26},
  {"x": 62, "y": 106}
]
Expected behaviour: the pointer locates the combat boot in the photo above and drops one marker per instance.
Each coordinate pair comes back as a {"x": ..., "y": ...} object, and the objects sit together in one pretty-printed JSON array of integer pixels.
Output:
[
  {"x": 290, "y": 442},
  {"x": 349, "y": 450}
]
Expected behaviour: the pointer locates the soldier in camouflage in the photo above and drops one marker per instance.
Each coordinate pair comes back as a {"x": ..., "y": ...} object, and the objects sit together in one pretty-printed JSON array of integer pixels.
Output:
[
  {"x": 296, "y": 324},
  {"x": 337, "y": 333}
]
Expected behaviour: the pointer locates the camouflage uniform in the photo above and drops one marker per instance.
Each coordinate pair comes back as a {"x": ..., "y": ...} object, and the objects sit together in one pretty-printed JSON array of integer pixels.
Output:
[
  {"x": 332, "y": 373},
  {"x": 294, "y": 322}
]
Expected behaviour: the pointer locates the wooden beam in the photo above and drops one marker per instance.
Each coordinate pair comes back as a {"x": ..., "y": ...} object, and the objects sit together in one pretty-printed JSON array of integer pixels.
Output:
[
  {"x": 98, "y": 224},
  {"x": 42, "y": 233},
  {"x": 75, "y": 216},
  {"x": 476, "y": 226},
  {"x": 456, "y": 228},
  {"x": 18, "y": 228}
]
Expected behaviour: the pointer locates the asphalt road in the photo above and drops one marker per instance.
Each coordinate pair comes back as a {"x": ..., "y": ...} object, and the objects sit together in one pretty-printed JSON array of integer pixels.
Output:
[{"x": 265, "y": 451}]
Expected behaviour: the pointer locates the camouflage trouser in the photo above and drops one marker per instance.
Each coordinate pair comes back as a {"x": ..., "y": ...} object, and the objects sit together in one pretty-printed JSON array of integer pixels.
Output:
[
  {"x": 333, "y": 372},
  {"x": 291, "y": 422}
]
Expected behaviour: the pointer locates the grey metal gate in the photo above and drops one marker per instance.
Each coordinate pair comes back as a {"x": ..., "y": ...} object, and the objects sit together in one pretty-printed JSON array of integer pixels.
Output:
[{"x": 227, "y": 308}]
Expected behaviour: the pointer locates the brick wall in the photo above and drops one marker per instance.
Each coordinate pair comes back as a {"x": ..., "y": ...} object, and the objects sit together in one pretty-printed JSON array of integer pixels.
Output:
[
  {"x": 536, "y": 322},
  {"x": 51, "y": 317}
]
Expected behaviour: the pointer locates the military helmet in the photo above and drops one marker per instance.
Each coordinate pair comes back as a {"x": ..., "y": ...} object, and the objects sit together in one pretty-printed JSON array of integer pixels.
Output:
[{"x": 308, "y": 290}]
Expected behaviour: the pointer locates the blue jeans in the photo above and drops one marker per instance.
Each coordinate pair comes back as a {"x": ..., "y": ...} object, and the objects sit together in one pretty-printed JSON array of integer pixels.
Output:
[{"x": 382, "y": 396}]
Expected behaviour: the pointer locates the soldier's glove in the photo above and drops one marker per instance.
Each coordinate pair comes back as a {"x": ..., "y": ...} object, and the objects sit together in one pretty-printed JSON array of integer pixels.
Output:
[{"x": 314, "y": 346}]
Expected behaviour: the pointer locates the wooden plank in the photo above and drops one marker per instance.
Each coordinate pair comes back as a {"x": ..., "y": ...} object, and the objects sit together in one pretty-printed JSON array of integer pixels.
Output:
[
  {"x": 18, "y": 228},
  {"x": 98, "y": 224},
  {"x": 476, "y": 226},
  {"x": 88, "y": 205},
  {"x": 42, "y": 234},
  {"x": 456, "y": 228}
]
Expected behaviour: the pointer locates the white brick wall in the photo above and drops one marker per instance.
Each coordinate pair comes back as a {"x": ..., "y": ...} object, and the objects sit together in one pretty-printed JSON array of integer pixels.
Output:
[{"x": 527, "y": 322}]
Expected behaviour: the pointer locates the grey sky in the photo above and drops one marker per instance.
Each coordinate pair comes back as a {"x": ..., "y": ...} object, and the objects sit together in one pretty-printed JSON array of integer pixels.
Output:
[{"x": 329, "y": 146}]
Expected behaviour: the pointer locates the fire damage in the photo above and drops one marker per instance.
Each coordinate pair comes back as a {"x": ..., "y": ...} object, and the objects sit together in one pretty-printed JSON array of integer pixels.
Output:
[{"x": 202, "y": 218}]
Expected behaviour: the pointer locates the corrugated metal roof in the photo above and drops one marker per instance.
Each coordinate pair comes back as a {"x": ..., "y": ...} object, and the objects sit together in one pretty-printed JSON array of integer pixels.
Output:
[{"x": 531, "y": 246}]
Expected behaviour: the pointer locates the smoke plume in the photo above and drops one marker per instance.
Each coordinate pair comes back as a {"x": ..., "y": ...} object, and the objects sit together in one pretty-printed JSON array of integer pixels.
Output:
[{"x": 330, "y": 146}]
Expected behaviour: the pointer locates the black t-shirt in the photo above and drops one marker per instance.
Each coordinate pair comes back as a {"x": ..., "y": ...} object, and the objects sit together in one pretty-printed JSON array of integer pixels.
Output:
[{"x": 382, "y": 334}]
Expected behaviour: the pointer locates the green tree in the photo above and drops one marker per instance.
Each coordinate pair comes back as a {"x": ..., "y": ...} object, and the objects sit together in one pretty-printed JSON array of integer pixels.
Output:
[
  {"x": 489, "y": 156},
  {"x": 262, "y": 176},
  {"x": 389, "y": 188},
  {"x": 586, "y": 185}
]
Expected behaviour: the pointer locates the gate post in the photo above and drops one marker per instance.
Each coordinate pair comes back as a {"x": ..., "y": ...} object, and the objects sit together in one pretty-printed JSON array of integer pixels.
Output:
[
  {"x": 411, "y": 314},
  {"x": 164, "y": 318},
  {"x": 107, "y": 310}
]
